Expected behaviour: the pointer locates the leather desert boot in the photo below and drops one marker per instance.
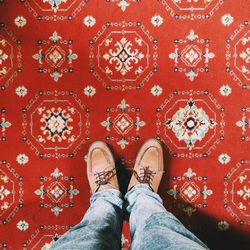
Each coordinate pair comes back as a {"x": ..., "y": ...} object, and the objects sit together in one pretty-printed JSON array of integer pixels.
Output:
[
  {"x": 149, "y": 165},
  {"x": 101, "y": 169}
]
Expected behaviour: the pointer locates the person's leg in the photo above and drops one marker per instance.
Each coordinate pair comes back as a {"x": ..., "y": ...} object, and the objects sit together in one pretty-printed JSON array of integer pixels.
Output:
[
  {"x": 151, "y": 226},
  {"x": 102, "y": 224}
]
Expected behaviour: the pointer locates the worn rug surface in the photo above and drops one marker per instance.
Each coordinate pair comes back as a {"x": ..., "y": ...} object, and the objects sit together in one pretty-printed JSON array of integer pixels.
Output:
[{"x": 123, "y": 71}]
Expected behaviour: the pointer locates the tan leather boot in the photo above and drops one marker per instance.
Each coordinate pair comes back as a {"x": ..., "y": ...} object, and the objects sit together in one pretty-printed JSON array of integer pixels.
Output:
[
  {"x": 149, "y": 165},
  {"x": 101, "y": 169}
]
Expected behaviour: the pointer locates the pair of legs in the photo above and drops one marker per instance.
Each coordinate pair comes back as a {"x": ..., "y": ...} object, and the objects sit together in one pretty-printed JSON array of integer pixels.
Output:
[{"x": 151, "y": 226}]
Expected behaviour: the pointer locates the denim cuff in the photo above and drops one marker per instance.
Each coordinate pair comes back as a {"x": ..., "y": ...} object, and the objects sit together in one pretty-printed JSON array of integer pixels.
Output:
[
  {"x": 140, "y": 190},
  {"x": 113, "y": 196}
]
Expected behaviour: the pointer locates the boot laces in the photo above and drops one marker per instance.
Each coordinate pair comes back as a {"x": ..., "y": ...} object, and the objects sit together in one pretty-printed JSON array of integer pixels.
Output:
[
  {"x": 145, "y": 176},
  {"x": 104, "y": 177}
]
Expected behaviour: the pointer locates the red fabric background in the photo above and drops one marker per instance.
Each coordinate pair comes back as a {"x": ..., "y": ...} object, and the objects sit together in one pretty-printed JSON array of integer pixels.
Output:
[{"x": 225, "y": 206}]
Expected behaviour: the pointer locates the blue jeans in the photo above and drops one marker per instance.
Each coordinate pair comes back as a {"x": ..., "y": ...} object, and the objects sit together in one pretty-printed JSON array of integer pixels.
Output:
[{"x": 151, "y": 226}]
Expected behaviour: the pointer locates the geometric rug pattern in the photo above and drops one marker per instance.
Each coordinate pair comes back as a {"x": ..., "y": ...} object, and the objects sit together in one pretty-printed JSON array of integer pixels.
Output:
[{"x": 123, "y": 71}]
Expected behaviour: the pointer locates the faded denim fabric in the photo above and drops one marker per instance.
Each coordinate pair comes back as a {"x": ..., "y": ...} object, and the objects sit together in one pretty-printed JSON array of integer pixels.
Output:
[
  {"x": 100, "y": 227},
  {"x": 151, "y": 226}
]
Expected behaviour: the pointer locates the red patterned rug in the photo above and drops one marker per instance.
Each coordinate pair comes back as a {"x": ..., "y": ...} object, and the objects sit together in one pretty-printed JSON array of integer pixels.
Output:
[{"x": 122, "y": 71}]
